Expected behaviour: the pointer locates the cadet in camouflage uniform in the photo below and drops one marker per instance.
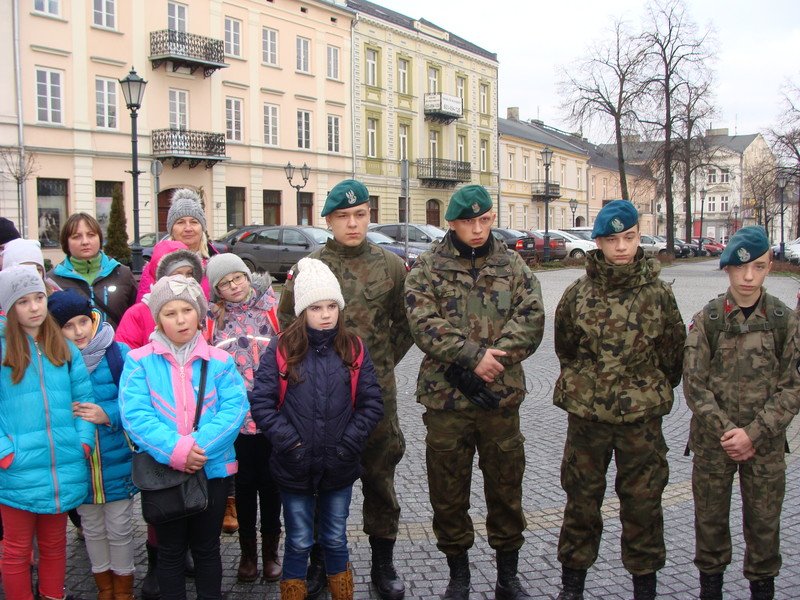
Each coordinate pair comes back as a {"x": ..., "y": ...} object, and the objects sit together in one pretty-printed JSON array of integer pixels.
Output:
[
  {"x": 476, "y": 312},
  {"x": 619, "y": 338},
  {"x": 741, "y": 383},
  {"x": 372, "y": 280}
]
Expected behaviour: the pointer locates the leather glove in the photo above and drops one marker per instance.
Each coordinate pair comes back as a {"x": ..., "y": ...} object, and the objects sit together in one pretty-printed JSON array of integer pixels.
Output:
[{"x": 472, "y": 386}]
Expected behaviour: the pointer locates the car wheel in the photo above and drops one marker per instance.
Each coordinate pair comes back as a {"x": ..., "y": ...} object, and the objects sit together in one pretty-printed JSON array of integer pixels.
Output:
[
  {"x": 249, "y": 264},
  {"x": 577, "y": 253},
  {"x": 662, "y": 252}
]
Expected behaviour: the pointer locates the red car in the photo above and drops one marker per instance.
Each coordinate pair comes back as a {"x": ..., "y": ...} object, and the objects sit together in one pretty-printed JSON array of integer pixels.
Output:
[{"x": 713, "y": 247}]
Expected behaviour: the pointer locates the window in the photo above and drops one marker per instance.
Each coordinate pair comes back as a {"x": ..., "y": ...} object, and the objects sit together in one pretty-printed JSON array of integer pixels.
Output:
[
  {"x": 303, "y": 54},
  {"x": 176, "y": 16},
  {"x": 48, "y": 96},
  {"x": 234, "y": 204},
  {"x": 372, "y": 137},
  {"x": 233, "y": 119},
  {"x": 433, "y": 80},
  {"x": 563, "y": 174},
  {"x": 526, "y": 175},
  {"x": 484, "y": 98},
  {"x": 712, "y": 176},
  {"x": 461, "y": 147},
  {"x": 712, "y": 204},
  {"x": 106, "y": 102},
  {"x": 233, "y": 37},
  {"x": 105, "y": 13},
  {"x": 579, "y": 177},
  {"x": 372, "y": 67},
  {"x": 333, "y": 62},
  {"x": 52, "y": 209},
  {"x": 49, "y": 7},
  {"x": 402, "y": 75},
  {"x": 484, "y": 155},
  {"x": 433, "y": 144},
  {"x": 724, "y": 204},
  {"x": 272, "y": 207},
  {"x": 334, "y": 133},
  {"x": 304, "y": 129},
  {"x": 724, "y": 176},
  {"x": 103, "y": 195},
  {"x": 402, "y": 141},
  {"x": 605, "y": 188},
  {"x": 306, "y": 218},
  {"x": 269, "y": 46},
  {"x": 271, "y": 124},
  {"x": 373, "y": 209},
  {"x": 510, "y": 166},
  {"x": 461, "y": 86},
  {"x": 179, "y": 109},
  {"x": 592, "y": 183}
]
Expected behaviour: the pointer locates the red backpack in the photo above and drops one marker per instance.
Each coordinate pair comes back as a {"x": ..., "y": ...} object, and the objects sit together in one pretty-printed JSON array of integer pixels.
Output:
[{"x": 283, "y": 382}]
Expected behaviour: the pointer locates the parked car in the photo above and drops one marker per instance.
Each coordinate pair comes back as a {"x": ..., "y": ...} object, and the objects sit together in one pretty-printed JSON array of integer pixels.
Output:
[
  {"x": 577, "y": 247},
  {"x": 558, "y": 247},
  {"x": 422, "y": 234},
  {"x": 585, "y": 233},
  {"x": 713, "y": 247},
  {"x": 234, "y": 235},
  {"x": 519, "y": 241},
  {"x": 276, "y": 248},
  {"x": 399, "y": 248},
  {"x": 776, "y": 249},
  {"x": 652, "y": 246},
  {"x": 682, "y": 249},
  {"x": 694, "y": 249}
]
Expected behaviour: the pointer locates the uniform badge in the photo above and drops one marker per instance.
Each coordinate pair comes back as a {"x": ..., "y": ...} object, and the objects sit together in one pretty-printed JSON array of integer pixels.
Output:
[
  {"x": 476, "y": 207},
  {"x": 743, "y": 254},
  {"x": 691, "y": 324},
  {"x": 351, "y": 197},
  {"x": 616, "y": 225}
]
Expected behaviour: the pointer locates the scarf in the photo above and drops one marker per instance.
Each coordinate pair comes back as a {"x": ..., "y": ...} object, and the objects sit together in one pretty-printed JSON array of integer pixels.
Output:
[
  {"x": 96, "y": 349},
  {"x": 180, "y": 353}
]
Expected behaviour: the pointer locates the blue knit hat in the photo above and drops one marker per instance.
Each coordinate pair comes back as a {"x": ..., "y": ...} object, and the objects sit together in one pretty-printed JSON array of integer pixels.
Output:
[
  {"x": 467, "y": 203},
  {"x": 745, "y": 246},
  {"x": 68, "y": 304},
  {"x": 345, "y": 194},
  {"x": 615, "y": 217}
]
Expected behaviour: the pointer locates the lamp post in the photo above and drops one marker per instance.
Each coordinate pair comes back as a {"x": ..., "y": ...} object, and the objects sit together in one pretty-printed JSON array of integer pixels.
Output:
[
  {"x": 305, "y": 171},
  {"x": 547, "y": 156},
  {"x": 782, "y": 181},
  {"x": 735, "y": 218},
  {"x": 702, "y": 205},
  {"x": 658, "y": 216},
  {"x": 573, "y": 206},
  {"x": 133, "y": 91}
]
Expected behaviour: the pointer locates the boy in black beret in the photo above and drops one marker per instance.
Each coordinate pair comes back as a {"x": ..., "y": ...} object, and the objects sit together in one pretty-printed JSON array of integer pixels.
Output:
[{"x": 8, "y": 232}]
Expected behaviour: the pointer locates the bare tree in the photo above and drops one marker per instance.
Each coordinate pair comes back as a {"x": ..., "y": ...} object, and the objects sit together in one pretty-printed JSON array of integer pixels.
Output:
[
  {"x": 18, "y": 166},
  {"x": 759, "y": 189},
  {"x": 786, "y": 136}
]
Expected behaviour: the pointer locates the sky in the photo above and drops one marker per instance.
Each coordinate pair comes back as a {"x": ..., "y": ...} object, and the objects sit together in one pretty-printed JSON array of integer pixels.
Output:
[{"x": 758, "y": 49}]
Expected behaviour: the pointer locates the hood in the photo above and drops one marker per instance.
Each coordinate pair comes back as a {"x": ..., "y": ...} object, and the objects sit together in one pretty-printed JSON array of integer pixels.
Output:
[
  {"x": 638, "y": 273},
  {"x": 159, "y": 250}
]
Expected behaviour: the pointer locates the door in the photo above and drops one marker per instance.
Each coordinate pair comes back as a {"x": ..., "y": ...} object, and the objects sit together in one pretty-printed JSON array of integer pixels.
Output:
[
  {"x": 433, "y": 213},
  {"x": 261, "y": 249}
]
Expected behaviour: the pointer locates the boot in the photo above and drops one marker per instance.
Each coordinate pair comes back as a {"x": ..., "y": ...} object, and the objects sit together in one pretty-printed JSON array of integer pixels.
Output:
[
  {"x": 458, "y": 586},
  {"x": 293, "y": 589},
  {"x": 230, "y": 524},
  {"x": 105, "y": 585},
  {"x": 150, "y": 589},
  {"x": 384, "y": 577},
  {"x": 341, "y": 584},
  {"x": 269, "y": 555},
  {"x": 248, "y": 564},
  {"x": 315, "y": 576},
  {"x": 188, "y": 564},
  {"x": 572, "y": 581},
  {"x": 763, "y": 589},
  {"x": 711, "y": 586},
  {"x": 644, "y": 587},
  {"x": 123, "y": 587},
  {"x": 508, "y": 586}
]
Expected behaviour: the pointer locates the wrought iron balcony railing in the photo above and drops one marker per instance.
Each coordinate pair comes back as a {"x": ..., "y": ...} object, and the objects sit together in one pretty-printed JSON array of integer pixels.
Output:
[
  {"x": 186, "y": 50},
  {"x": 181, "y": 145},
  {"x": 443, "y": 172},
  {"x": 443, "y": 108},
  {"x": 540, "y": 189}
]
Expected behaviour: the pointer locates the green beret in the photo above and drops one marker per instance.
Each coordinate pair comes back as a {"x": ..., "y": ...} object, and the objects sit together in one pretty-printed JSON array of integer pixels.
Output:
[
  {"x": 745, "y": 246},
  {"x": 345, "y": 194},
  {"x": 615, "y": 217},
  {"x": 467, "y": 203}
]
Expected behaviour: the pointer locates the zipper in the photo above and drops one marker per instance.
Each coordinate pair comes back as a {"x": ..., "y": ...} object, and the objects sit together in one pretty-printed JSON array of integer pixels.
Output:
[
  {"x": 183, "y": 391},
  {"x": 49, "y": 427}
]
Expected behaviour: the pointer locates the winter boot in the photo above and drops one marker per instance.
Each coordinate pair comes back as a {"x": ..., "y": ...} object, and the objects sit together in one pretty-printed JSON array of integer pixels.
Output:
[
  {"x": 315, "y": 576},
  {"x": 384, "y": 577},
  {"x": 188, "y": 564},
  {"x": 123, "y": 587},
  {"x": 572, "y": 581},
  {"x": 763, "y": 589},
  {"x": 150, "y": 589},
  {"x": 269, "y": 554},
  {"x": 644, "y": 587},
  {"x": 248, "y": 563},
  {"x": 293, "y": 589},
  {"x": 230, "y": 524},
  {"x": 458, "y": 586},
  {"x": 341, "y": 584},
  {"x": 105, "y": 585},
  {"x": 508, "y": 586},
  {"x": 711, "y": 586}
]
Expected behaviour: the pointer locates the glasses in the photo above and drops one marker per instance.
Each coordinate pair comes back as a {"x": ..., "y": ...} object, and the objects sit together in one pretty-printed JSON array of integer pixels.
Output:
[{"x": 236, "y": 280}]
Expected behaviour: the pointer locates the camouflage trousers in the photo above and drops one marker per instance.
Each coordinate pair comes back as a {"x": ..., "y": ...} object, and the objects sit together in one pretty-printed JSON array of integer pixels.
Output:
[
  {"x": 762, "y": 487},
  {"x": 452, "y": 439},
  {"x": 382, "y": 453},
  {"x": 640, "y": 454}
]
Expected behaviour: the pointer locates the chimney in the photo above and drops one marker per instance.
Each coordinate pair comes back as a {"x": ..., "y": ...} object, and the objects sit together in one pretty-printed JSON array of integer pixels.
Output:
[
  {"x": 538, "y": 122},
  {"x": 513, "y": 113},
  {"x": 711, "y": 132}
]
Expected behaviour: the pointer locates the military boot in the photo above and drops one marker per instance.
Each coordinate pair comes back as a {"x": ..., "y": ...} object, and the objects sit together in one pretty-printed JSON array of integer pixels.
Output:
[
  {"x": 644, "y": 587},
  {"x": 316, "y": 579},
  {"x": 711, "y": 586},
  {"x": 508, "y": 586},
  {"x": 150, "y": 589},
  {"x": 572, "y": 581},
  {"x": 458, "y": 586},
  {"x": 763, "y": 589},
  {"x": 384, "y": 577}
]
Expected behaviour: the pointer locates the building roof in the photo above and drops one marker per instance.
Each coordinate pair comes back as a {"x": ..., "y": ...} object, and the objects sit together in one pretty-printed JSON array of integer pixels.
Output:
[
  {"x": 401, "y": 20},
  {"x": 642, "y": 151}
]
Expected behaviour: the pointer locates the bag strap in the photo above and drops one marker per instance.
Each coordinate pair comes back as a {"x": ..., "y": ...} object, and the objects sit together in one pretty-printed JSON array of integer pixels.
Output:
[
  {"x": 115, "y": 362},
  {"x": 201, "y": 392}
]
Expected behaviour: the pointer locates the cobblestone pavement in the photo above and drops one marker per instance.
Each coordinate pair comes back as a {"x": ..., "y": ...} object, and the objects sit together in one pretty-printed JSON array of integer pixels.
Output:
[{"x": 425, "y": 569}]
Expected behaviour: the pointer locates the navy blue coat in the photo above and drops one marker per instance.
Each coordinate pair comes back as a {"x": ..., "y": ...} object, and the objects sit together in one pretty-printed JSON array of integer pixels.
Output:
[{"x": 318, "y": 414}]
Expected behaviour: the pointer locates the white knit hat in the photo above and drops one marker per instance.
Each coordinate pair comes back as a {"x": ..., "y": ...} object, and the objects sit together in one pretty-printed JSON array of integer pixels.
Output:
[
  {"x": 22, "y": 251},
  {"x": 185, "y": 203},
  {"x": 177, "y": 287},
  {"x": 315, "y": 282},
  {"x": 16, "y": 282},
  {"x": 220, "y": 265}
]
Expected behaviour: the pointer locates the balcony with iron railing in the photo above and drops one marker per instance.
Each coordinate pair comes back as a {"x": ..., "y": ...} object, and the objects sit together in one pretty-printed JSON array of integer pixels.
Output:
[
  {"x": 443, "y": 108},
  {"x": 440, "y": 172},
  {"x": 541, "y": 190},
  {"x": 182, "y": 145},
  {"x": 187, "y": 50}
]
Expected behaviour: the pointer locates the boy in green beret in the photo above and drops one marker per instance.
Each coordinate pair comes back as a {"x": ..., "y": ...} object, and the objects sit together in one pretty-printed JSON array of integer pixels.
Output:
[
  {"x": 619, "y": 338},
  {"x": 741, "y": 382}
]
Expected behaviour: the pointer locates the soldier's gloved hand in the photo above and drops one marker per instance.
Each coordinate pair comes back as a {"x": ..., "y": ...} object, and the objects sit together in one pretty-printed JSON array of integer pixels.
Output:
[{"x": 472, "y": 386}]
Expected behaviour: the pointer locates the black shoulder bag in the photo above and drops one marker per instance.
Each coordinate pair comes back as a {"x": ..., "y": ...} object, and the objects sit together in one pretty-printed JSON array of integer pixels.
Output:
[{"x": 168, "y": 494}]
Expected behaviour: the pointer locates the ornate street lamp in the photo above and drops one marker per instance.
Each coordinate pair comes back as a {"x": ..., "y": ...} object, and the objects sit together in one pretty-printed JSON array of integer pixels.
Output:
[
  {"x": 735, "y": 218},
  {"x": 573, "y": 205},
  {"x": 782, "y": 181},
  {"x": 305, "y": 172},
  {"x": 133, "y": 91},
  {"x": 702, "y": 206},
  {"x": 547, "y": 157}
]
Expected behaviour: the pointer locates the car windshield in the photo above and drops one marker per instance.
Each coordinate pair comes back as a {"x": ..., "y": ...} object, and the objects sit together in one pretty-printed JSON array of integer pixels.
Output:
[
  {"x": 584, "y": 235},
  {"x": 227, "y": 234},
  {"x": 432, "y": 231},
  {"x": 376, "y": 237},
  {"x": 318, "y": 234},
  {"x": 517, "y": 233},
  {"x": 566, "y": 235}
]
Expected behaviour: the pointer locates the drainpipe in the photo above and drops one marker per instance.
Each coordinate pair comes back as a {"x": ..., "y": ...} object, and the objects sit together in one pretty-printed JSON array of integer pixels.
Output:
[
  {"x": 497, "y": 150},
  {"x": 353, "y": 51},
  {"x": 21, "y": 191}
]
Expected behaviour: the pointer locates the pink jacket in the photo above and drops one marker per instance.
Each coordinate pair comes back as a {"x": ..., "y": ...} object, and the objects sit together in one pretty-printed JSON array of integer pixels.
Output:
[
  {"x": 137, "y": 324},
  {"x": 149, "y": 274}
]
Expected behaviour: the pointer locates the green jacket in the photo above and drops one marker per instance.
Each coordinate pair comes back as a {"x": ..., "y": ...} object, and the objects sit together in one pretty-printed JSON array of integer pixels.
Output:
[
  {"x": 455, "y": 318},
  {"x": 619, "y": 338}
]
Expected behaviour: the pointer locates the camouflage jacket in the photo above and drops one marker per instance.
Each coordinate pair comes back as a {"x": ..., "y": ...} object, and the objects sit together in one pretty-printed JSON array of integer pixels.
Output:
[
  {"x": 372, "y": 285},
  {"x": 455, "y": 318},
  {"x": 748, "y": 383},
  {"x": 619, "y": 337}
]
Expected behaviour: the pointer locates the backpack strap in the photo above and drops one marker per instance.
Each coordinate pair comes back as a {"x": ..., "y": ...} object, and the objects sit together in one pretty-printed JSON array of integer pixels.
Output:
[
  {"x": 273, "y": 320},
  {"x": 777, "y": 322},
  {"x": 714, "y": 321},
  {"x": 355, "y": 372},
  {"x": 283, "y": 376},
  {"x": 115, "y": 362}
]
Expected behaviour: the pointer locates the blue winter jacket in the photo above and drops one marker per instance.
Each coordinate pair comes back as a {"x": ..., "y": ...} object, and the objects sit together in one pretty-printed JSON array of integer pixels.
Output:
[
  {"x": 49, "y": 472},
  {"x": 158, "y": 399},
  {"x": 110, "y": 462},
  {"x": 318, "y": 414}
]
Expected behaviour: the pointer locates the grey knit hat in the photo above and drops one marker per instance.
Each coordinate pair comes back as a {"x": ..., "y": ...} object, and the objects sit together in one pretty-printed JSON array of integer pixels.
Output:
[
  {"x": 180, "y": 258},
  {"x": 177, "y": 287},
  {"x": 221, "y": 265},
  {"x": 185, "y": 203},
  {"x": 21, "y": 251},
  {"x": 315, "y": 282},
  {"x": 17, "y": 281}
]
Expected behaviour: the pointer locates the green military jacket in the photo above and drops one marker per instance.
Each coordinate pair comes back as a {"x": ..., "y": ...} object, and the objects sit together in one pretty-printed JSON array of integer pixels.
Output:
[
  {"x": 372, "y": 285},
  {"x": 455, "y": 319},
  {"x": 748, "y": 383},
  {"x": 619, "y": 338}
]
